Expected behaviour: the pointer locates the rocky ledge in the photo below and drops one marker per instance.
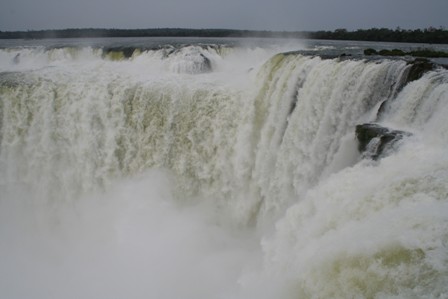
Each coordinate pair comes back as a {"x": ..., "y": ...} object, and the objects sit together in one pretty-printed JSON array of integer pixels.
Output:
[{"x": 374, "y": 141}]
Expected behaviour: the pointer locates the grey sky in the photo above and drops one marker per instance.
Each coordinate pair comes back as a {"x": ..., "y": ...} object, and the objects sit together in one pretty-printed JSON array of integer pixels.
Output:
[{"x": 239, "y": 14}]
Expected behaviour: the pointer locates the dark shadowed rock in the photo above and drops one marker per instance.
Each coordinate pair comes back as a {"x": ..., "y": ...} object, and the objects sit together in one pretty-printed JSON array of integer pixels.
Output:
[
  {"x": 374, "y": 140},
  {"x": 419, "y": 67}
]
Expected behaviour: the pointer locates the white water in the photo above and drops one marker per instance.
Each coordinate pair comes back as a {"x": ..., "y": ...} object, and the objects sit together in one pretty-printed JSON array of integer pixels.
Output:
[{"x": 154, "y": 177}]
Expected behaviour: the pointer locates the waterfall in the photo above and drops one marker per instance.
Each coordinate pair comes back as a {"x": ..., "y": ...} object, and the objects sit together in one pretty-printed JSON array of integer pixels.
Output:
[{"x": 267, "y": 142}]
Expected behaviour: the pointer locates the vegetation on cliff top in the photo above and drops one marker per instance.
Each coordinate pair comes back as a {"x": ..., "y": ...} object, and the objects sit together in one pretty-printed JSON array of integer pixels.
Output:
[{"x": 426, "y": 53}]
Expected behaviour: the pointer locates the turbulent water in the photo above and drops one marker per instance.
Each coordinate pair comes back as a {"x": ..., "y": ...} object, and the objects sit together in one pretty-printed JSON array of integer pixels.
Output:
[{"x": 218, "y": 170}]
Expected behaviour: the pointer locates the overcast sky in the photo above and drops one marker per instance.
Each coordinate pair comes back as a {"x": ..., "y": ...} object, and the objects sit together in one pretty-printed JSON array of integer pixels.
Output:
[{"x": 287, "y": 15}]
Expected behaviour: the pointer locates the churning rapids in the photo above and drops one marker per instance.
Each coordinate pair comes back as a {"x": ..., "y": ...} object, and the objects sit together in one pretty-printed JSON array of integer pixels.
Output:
[{"x": 214, "y": 171}]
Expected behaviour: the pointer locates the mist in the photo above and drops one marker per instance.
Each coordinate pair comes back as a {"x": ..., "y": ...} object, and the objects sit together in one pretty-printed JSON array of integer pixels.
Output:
[{"x": 133, "y": 241}]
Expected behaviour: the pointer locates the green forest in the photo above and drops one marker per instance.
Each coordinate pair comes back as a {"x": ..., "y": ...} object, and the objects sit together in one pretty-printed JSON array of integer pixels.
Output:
[{"x": 426, "y": 35}]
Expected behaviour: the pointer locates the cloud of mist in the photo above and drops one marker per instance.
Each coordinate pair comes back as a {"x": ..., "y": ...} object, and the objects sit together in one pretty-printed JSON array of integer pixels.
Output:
[{"x": 131, "y": 242}]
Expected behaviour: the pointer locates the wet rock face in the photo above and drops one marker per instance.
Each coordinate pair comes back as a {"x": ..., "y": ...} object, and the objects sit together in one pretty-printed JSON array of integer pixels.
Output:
[
  {"x": 419, "y": 67},
  {"x": 374, "y": 141}
]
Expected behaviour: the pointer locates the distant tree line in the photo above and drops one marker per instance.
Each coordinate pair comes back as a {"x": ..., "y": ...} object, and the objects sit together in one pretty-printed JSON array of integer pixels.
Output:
[
  {"x": 427, "y": 35},
  {"x": 156, "y": 32}
]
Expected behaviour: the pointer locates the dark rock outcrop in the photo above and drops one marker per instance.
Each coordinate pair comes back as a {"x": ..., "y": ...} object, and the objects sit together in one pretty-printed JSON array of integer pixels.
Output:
[
  {"x": 374, "y": 141},
  {"x": 419, "y": 67}
]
